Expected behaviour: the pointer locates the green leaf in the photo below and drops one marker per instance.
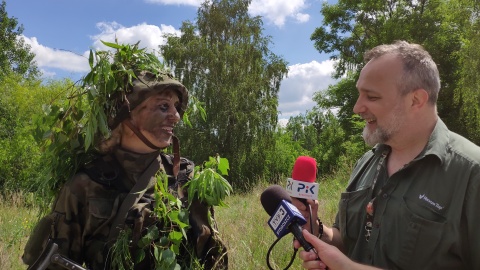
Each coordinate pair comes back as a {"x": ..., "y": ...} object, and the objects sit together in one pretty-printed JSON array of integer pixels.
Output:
[
  {"x": 151, "y": 235},
  {"x": 223, "y": 166},
  {"x": 175, "y": 237},
  {"x": 168, "y": 257},
  {"x": 112, "y": 45},
  {"x": 90, "y": 59},
  {"x": 163, "y": 241},
  {"x": 208, "y": 185},
  {"x": 139, "y": 255},
  {"x": 157, "y": 253}
]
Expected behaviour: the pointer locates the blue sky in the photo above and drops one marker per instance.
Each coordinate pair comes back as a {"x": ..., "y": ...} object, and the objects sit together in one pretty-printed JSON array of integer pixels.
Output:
[{"x": 62, "y": 32}]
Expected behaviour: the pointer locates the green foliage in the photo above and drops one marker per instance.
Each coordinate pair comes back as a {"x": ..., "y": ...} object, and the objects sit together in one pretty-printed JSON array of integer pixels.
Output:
[
  {"x": 224, "y": 60},
  {"x": 162, "y": 240},
  {"x": 340, "y": 97},
  {"x": 72, "y": 127},
  {"x": 15, "y": 55},
  {"x": 350, "y": 28},
  {"x": 329, "y": 149},
  {"x": 320, "y": 135},
  {"x": 467, "y": 94},
  {"x": 21, "y": 159},
  {"x": 121, "y": 258},
  {"x": 208, "y": 184},
  {"x": 279, "y": 162},
  {"x": 167, "y": 236}
]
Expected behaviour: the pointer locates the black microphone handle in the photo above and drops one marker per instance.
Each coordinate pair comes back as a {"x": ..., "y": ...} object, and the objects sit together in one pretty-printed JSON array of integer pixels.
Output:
[{"x": 296, "y": 229}]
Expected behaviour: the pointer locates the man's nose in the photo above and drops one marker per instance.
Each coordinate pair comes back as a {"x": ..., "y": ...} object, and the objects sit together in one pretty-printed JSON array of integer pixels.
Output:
[{"x": 359, "y": 107}]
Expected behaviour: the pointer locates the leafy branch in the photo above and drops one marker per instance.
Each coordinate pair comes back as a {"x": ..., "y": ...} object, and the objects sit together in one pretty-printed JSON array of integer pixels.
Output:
[
  {"x": 167, "y": 236},
  {"x": 209, "y": 184}
]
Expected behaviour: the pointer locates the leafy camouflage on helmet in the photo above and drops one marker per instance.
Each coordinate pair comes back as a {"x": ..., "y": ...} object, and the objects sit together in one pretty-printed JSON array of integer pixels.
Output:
[
  {"x": 120, "y": 78},
  {"x": 146, "y": 85}
]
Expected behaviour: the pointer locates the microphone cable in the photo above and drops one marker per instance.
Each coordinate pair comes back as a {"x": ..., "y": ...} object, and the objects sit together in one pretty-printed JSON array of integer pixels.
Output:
[
  {"x": 294, "y": 249},
  {"x": 270, "y": 250}
]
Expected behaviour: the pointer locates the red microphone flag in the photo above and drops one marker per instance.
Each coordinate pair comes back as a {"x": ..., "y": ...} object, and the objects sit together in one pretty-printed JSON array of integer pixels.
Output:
[
  {"x": 302, "y": 184},
  {"x": 305, "y": 169}
]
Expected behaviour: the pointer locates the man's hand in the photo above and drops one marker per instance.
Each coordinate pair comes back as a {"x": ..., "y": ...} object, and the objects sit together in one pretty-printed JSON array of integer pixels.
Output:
[
  {"x": 330, "y": 256},
  {"x": 305, "y": 211}
]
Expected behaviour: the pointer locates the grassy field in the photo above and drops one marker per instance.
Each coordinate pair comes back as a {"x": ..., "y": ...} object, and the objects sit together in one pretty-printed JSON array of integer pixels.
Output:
[
  {"x": 243, "y": 226},
  {"x": 17, "y": 218}
]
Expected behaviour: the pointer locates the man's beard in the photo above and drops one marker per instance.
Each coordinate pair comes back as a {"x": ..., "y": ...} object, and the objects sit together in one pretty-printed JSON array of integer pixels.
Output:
[{"x": 385, "y": 133}]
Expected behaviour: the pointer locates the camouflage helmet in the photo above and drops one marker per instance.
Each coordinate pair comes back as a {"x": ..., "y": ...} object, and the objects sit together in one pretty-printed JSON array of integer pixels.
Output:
[{"x": 146, "y": 85}]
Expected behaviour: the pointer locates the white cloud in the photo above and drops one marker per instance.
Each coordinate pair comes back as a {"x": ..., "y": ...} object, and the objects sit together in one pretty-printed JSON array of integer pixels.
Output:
[
  {"x": 150, "y": 36},
  {"x": 54, "y": 58},
  {"x": 303, "y": 81},
  {"x": 277, "y": 11},
  {"x": 302, "y": 18},
  {"x": 49, "y": 59},
  {"x": 47, "y": 73}
]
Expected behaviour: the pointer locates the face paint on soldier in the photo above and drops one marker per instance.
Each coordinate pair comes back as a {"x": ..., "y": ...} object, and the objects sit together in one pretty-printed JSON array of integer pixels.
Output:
[{"x": 157, "y": 116}]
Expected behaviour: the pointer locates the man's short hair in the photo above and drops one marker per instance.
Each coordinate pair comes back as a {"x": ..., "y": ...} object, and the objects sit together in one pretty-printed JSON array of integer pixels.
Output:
[{"x": 420, "y": 71}]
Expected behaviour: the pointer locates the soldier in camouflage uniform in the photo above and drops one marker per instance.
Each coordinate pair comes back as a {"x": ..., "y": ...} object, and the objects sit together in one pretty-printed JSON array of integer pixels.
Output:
[{"x": 85, "y": 211}]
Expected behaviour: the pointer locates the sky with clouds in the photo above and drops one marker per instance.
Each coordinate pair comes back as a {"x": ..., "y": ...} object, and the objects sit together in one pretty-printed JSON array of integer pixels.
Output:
[{"x": 61, "y": 33}]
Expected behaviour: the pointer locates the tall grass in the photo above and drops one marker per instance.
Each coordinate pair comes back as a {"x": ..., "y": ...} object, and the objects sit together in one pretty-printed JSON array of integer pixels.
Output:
[
  {"x": 243, "y": 226},
  {"x": 18, "y": 215}
]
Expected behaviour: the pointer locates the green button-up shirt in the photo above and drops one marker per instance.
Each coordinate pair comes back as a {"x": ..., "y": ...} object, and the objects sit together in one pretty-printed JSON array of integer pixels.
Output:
[{"x": 427, "y": 215}]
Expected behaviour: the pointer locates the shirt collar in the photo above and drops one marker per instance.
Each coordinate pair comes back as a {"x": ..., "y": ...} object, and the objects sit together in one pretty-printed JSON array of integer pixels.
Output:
[
  {"x": 437, "y": 144},
  {"x": 378, "y": 149},
  {"x": 133, "y": 162}
]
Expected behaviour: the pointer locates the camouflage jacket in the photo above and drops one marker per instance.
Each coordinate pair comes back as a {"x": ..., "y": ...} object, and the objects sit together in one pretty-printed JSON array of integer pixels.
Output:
[{"x": 82, "y": 215}]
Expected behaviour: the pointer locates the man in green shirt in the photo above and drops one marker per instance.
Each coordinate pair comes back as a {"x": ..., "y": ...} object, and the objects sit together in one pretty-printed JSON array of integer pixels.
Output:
[{"x": 411, "y": 202}]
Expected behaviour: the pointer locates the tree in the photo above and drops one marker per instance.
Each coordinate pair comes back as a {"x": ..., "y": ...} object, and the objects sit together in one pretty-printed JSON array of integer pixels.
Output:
[
  {"x": 306, "y": 129},
  {"x": 467, "y": 93},
  {"x": 225, "y": 61},
  {"x": 352, "y": 27},
  {"x": 279, "y": 163},
  {"x": 15, "y": 55},
  {"x": 340, "y": 97},
  {"x": 21, "y": 158}
]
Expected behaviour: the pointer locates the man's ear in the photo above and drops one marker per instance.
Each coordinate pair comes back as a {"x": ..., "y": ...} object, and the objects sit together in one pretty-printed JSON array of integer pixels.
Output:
[{"x": 419, "y": 98}]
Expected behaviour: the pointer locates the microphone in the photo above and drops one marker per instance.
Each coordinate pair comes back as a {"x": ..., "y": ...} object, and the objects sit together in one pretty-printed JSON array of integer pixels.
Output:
[
  {"x": 302, "y": 184},
  {"x": 284, "y": 216}
]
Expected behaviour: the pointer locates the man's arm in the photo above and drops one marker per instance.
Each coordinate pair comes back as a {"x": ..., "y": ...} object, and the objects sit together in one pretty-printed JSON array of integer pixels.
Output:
[{"x": 330, "y": 256}]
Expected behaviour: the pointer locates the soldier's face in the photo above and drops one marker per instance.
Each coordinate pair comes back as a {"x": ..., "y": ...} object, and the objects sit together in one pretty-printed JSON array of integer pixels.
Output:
[{"x": 157, "y": 116}]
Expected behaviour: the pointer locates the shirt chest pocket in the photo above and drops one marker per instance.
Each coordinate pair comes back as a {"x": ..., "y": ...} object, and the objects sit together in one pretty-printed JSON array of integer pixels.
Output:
[
  {"x": 352, "y": 214},
  {"x": 418, "y": 230},
  {"x": 100, "y": 211},
  {"x": 100, "y": 207}
]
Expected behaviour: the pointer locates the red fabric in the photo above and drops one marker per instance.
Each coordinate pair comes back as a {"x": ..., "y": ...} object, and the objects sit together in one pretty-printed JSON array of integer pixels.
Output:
[{"x": 305, "y": 169}]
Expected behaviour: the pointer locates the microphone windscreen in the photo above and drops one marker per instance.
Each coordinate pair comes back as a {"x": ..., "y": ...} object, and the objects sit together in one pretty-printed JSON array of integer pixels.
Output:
[
  {"x": 272, "y": 196},
  {"x": 305, "y": 169}
]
